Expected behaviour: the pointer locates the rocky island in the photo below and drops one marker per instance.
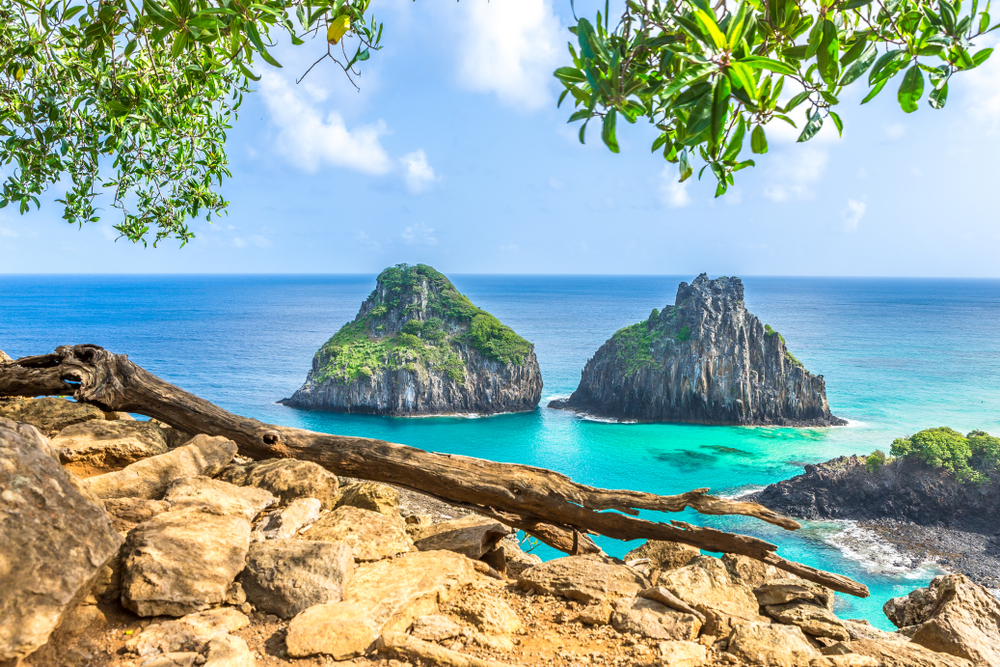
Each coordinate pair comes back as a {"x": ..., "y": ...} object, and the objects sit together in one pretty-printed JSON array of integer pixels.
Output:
[
  {"x": 706, "y": 360},
  {"x": 934, "y": 497},
  {"x": 418, "y": 347}
]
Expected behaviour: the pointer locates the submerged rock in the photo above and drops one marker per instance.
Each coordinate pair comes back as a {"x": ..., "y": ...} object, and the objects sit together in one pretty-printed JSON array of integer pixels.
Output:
[
  {"x": 418, "y": 346},
  {"x": 54, "y": 541},
  {"x": 705, "y": 359}
]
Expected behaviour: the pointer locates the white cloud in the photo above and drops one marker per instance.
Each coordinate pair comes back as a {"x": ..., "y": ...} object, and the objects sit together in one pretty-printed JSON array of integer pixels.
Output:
[
  {"x": 308, "y": 140},
  {"x": 673, "y": 193},
  {"x": 8, "y": 233},
  {"x": 983, "y": 86},
  {"x": 510, "y": 48},
  {"x": 419, "y": 174},
  {"x": 419, "y": 234},
  {"x": 895, "y": 131},
  {"x": 793, "y": 172},
  {"x": 852, "y": 214}
]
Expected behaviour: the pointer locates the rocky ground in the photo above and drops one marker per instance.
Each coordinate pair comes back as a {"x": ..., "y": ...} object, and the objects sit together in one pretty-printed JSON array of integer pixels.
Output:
[
  {"x": 926, "y": 514},
  {"x": 131, "y": 544}
]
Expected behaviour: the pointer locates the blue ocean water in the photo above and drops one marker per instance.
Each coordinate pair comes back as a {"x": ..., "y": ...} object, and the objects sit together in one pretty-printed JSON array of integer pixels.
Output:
[{"x": 898, "y": 356}]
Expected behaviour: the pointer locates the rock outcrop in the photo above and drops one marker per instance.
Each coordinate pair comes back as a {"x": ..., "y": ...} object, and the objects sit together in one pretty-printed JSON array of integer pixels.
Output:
[
  {"x": 418, "y": 346},
  {"x": 54, "y": 541},
  {"x": 704, "y": 360}
]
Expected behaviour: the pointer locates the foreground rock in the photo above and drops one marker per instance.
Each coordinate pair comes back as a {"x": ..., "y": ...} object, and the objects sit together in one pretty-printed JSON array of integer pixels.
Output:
[
  {"x": 190, "y": 634},
  {"x": 54, "y": 541},
  {"x": 218, "y": 497},
  {"x": 48, "y": 415},
  {"x": 706, "y": 585},
  {"x": 952, "y": 615},
  {"x": 587, "y": 579},
  {"x": 286, "y": 577},
  {"x": 382, "y": 597},
  {"x": 705, "y": 360},
  {"x": 418, "y": 346},
  {"x": 371, "y": 536},
  {"x": 771, "y": 645},
  {"x": 288, "y": 479},
  {"x": 149, "y": 478},
  {"x": 471, "y": 536},
  {"x": 183, "y": 561},
  {"x": 108, "y": 445}
]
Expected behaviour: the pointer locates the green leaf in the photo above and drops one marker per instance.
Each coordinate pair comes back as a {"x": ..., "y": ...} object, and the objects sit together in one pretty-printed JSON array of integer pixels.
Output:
[
  {"x": 839, "y": 123},
  {"x": 859, "y": 67},
  {"x": 758, "y": 140},
  {"x": 938, "y": 97},
  {"x": 853, "y": 53},
  {"x": 685, "y": 166},
  {"x": 579, "y": 115},
  {"x": 736, "y": 143},
  {"x": 796, "y": 101},
  {"x": 980, "y": 57},
  {"x": 815, "y": 39},
  {"x": 911, "y": 89},
  {"x": 570, "y": 75},
  {"x": 812, "y": 127},
  {"x": 760, "y": 62},
  {"x": 686, "y": 77},
  {"x": 828, "y": 55},
  {"x": 707, "y": 22},
  {"x": 984, "y": 22},
  {"x": 854, "y": 4},
  {"x": 608, "y": 130},
  {"x": 889, "y": 63},
  {"x": 720, "y": 108},
  {"x": 875, "y": 91},
  {"x": 743, "y": 76}
]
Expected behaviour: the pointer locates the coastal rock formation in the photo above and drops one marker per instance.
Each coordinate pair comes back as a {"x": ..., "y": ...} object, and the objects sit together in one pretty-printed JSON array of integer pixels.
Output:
[
  {"x": 418, "y": 346},
  {"x": 705, "y": 360}
]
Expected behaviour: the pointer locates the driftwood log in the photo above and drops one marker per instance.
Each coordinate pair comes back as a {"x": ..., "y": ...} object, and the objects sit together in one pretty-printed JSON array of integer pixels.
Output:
[{"x": 548, "y": 505}]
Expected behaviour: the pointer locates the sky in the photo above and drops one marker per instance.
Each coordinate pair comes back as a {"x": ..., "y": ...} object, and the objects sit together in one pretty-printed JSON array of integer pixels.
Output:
[{"x": 454, "y": 154}]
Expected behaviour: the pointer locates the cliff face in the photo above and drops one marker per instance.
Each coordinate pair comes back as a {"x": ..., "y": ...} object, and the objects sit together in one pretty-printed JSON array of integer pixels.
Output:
[
  {"x": 903, "y": 489},
  {"x": 418, "y": 346},
  {"x": 704, "y": 360}
]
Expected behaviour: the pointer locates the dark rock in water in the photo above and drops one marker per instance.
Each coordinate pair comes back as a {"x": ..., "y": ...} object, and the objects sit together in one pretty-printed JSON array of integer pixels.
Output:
[
  {"x": 704, "y": 360},
  {"x": 418, "y": 346}
]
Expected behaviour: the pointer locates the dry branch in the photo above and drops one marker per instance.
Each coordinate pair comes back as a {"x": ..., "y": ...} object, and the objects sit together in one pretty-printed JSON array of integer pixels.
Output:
[{"x": 546, "y": 504}]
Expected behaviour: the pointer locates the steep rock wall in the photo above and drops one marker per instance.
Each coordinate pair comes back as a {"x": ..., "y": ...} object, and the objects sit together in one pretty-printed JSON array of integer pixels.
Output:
[{"x": 704, "y": 360}]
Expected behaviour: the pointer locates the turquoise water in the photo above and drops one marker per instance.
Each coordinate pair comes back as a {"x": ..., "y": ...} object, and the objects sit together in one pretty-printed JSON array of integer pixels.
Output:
[{"x": 898, "y": 356}]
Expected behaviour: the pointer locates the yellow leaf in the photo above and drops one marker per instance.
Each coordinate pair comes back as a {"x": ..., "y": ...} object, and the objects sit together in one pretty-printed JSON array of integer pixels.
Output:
[{"x": 337, "y": 28}]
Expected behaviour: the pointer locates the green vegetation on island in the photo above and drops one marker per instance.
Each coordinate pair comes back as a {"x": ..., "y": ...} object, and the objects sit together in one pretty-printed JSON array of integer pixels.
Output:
[
  {"x": 971, "y": 458},
  {"x": 436, "y": 321}
]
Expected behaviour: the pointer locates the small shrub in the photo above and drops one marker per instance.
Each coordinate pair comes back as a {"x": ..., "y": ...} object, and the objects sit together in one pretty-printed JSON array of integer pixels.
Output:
[
  {"x": 683, "y": 334},
  {"x": 497, "y": 340},
  {"x": 414, "y": 327},
  {"x": 409, "y": 340},
  {"x": 875, "y": 461}
]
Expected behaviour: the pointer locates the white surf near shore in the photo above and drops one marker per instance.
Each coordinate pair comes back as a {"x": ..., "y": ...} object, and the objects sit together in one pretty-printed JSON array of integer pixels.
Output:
[{"x": 871, "y": 551}]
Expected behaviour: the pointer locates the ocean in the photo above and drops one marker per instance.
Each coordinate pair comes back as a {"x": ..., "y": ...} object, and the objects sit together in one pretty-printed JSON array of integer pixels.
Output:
[{"x": 899, "y": 355}]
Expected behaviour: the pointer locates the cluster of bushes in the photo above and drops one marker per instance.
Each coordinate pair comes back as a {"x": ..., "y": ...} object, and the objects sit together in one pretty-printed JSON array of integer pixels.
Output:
[
  {"x": 431, "y": 331},
  {"x": 970, "y": 458},
  {"x": 496, "y": 340}
]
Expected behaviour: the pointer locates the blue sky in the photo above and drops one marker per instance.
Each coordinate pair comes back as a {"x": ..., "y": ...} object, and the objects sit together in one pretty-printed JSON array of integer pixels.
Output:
[{"x": 453, "y": 154}]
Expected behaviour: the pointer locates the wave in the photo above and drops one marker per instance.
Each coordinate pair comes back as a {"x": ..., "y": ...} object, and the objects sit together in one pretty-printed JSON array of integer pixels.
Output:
[
  {"x": 743, "y": 491},
  {"x": 873, "y": 552}
]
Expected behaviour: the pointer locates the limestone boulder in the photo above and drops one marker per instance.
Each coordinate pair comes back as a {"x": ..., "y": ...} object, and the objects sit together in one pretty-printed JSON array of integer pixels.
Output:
[
  {"x": 661, "y": 555},
  {"x": 588, "y": 579},
  {"x": 387, "y": 596},
  {"x": 4, "y": 357},
  {"x": 48, "y": 415},
  {"x": 783, "y": 591},
  {"x": 284, "y": 523},
  {"x": 683, "y": 654},
  {"x": 705, "y": 584},
  {"x": 191, "y": 633},
  {"x": 486, "y": 612},
  {"x": 516, "y": 559},
  {"x": 286, "y": 577},
  {"x": 149, "y": 478},
  {"x": 811, "y": 618},
  {"x": 964, "y": 620},
  {"x": 183, "y": 561},
  {"x": 288, "y": 479},
  {"x": 218, "y": 497},
  {"x": 649, "y": 618},
  {"x": 229, "y": 651},
  {"x": 54, "y": 541},
  {"x": 770, "y": 645},
  {"x": 666, "y": 598},
  {"x": 435, "y": 628},
  {"x": 98, "y": 446},
  {"x": 370, "y": 496},
  {"x": 901, "y": 653},
  {"x": 471, "y": 536},
  {"x": 751, "y": 571},
  {"x": 371, "y": 536},
  {"x": 127, "y": 513}
]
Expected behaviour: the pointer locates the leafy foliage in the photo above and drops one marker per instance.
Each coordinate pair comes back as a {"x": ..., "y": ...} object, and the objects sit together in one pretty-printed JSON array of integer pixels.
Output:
[
  {"x": 707, "y": 76},
  {"x": 135, "y": 98},
  {"x": 497, "y": 340},
  {"x": 875, "y": 461},
  {"x": 971, "y": 458}
]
